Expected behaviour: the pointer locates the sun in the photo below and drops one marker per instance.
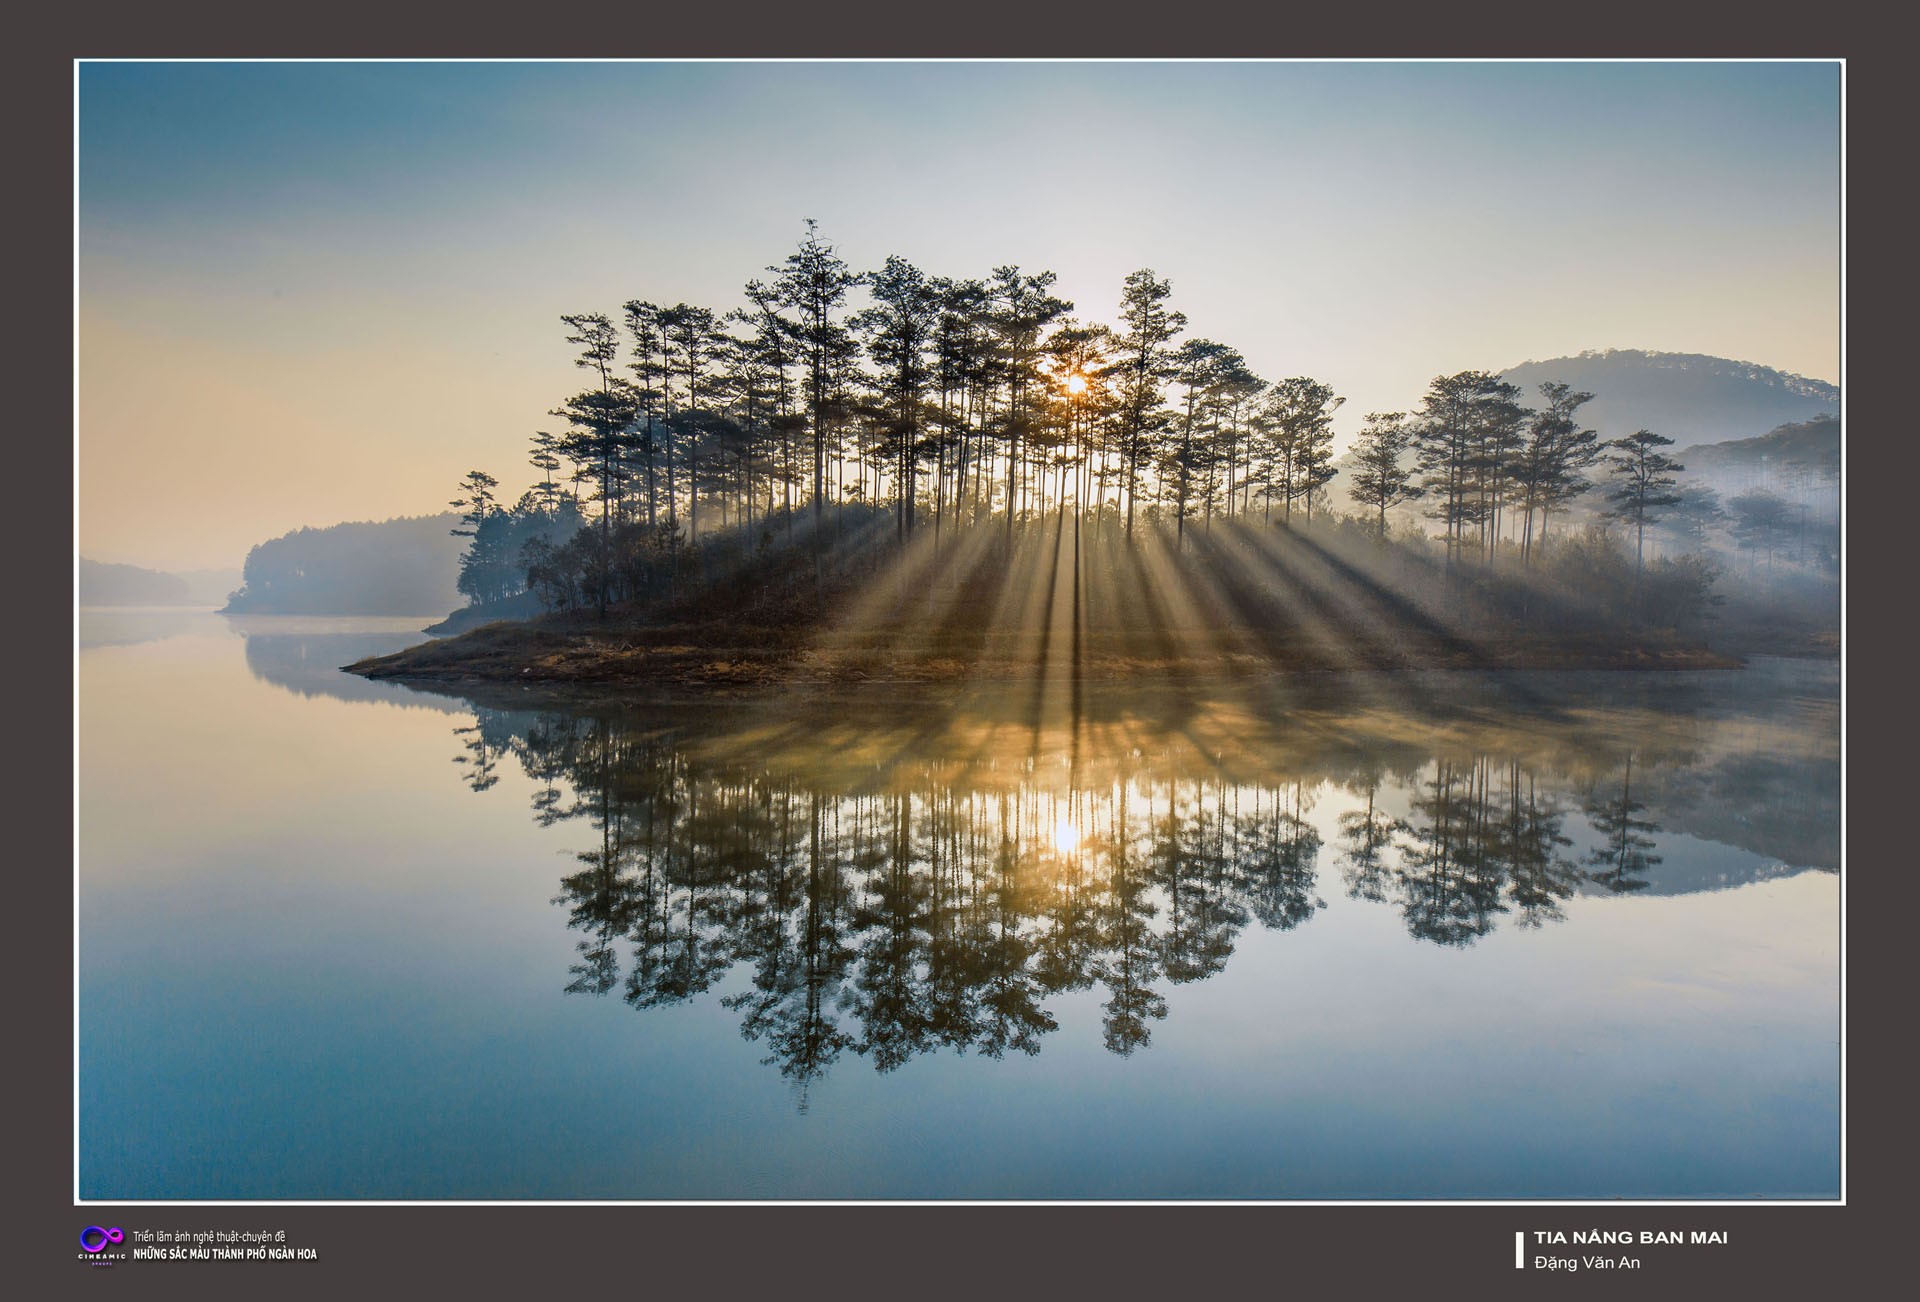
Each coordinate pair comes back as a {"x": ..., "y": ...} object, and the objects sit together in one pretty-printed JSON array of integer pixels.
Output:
[{"x": 1076, "y": 383}]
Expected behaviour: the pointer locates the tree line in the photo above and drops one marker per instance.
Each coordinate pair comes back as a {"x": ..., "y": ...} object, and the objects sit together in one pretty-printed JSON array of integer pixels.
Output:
[
  {"x": 391, "y": 567},
  {"x": 947, "y": 402}
]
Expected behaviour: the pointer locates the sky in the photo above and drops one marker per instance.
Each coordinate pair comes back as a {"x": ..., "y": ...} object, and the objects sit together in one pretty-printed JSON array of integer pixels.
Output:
[{"x": 315, "y": 292}]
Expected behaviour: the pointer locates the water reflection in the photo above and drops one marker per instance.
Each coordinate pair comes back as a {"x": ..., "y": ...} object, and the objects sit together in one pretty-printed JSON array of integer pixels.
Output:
[
  {"x": 303, "y": 654},
  {"x": 886, "y": 878},
  {"x": 116, "y": 626}
]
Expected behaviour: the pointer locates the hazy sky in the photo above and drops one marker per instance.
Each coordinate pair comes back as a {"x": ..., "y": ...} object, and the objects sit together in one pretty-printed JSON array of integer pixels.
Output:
[{"x": 323, "y": 292}]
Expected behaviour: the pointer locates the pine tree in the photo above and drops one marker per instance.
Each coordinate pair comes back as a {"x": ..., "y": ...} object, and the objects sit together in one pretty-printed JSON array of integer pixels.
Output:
[
  {"x": 1381, "y": 477},
  {"x": 899, "y": 327},
  {"x": 1643, "y": 483},
  {"x": 1143, "y": 366},
  {"x": 812, "y": 285}
]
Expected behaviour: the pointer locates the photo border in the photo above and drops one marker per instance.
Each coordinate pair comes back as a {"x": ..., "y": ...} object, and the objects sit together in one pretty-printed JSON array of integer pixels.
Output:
[{"x": 1093, "y": 1248}]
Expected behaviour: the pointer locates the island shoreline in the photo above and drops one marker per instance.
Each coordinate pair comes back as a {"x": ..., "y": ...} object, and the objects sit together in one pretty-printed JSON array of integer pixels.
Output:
[{"x": 621, "y": 658}]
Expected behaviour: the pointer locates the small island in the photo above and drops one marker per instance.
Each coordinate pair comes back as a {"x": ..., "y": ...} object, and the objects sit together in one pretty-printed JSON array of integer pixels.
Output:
[
  {"x": 963, "y": 480},
  {"x": 1069, "y": 599}
]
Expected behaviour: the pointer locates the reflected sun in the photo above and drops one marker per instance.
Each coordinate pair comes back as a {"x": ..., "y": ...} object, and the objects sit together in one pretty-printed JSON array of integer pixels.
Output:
[{"x": 1066, "y": 837}]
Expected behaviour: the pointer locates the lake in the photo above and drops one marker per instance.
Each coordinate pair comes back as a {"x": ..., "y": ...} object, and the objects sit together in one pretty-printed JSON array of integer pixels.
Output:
[{"x": 1329, "y": 936}]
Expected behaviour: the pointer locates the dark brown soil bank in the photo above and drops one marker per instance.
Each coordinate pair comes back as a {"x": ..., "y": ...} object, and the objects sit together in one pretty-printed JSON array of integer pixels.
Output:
[{"x": 562, "y": 652}]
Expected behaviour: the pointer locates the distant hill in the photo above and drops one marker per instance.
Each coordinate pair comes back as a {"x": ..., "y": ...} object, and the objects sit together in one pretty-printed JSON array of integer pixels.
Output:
[
  {"x": 102, "y": 584},
  {"x": 1689, "y": 397},
  {"x": 392, "y": 567},
  {"x": 1809, "y": 447}
]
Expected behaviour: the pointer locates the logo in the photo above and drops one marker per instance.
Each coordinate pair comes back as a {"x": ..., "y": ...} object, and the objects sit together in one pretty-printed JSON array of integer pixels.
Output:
[{"x": 95, "y": 1239}]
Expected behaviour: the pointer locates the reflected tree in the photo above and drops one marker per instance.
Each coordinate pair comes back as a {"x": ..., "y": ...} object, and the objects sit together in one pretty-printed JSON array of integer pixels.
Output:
[
  {"x": 1621, "y": 861},
  {"x": 1529, "y": 834},
  {"x": 1130, "y": 960},
  {"x": 1278, "y": 868},
  {"x": 1370, "y": 845},
  {"x": 1450, "y": 883}
]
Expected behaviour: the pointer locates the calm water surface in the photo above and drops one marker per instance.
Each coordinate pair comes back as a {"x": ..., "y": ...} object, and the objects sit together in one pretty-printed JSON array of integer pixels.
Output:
[{"x": 1440, "y": 935}]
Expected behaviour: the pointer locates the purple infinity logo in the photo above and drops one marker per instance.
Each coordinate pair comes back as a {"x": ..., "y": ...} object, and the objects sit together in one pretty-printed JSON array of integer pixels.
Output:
[{"x": 95, "y": 1239}]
